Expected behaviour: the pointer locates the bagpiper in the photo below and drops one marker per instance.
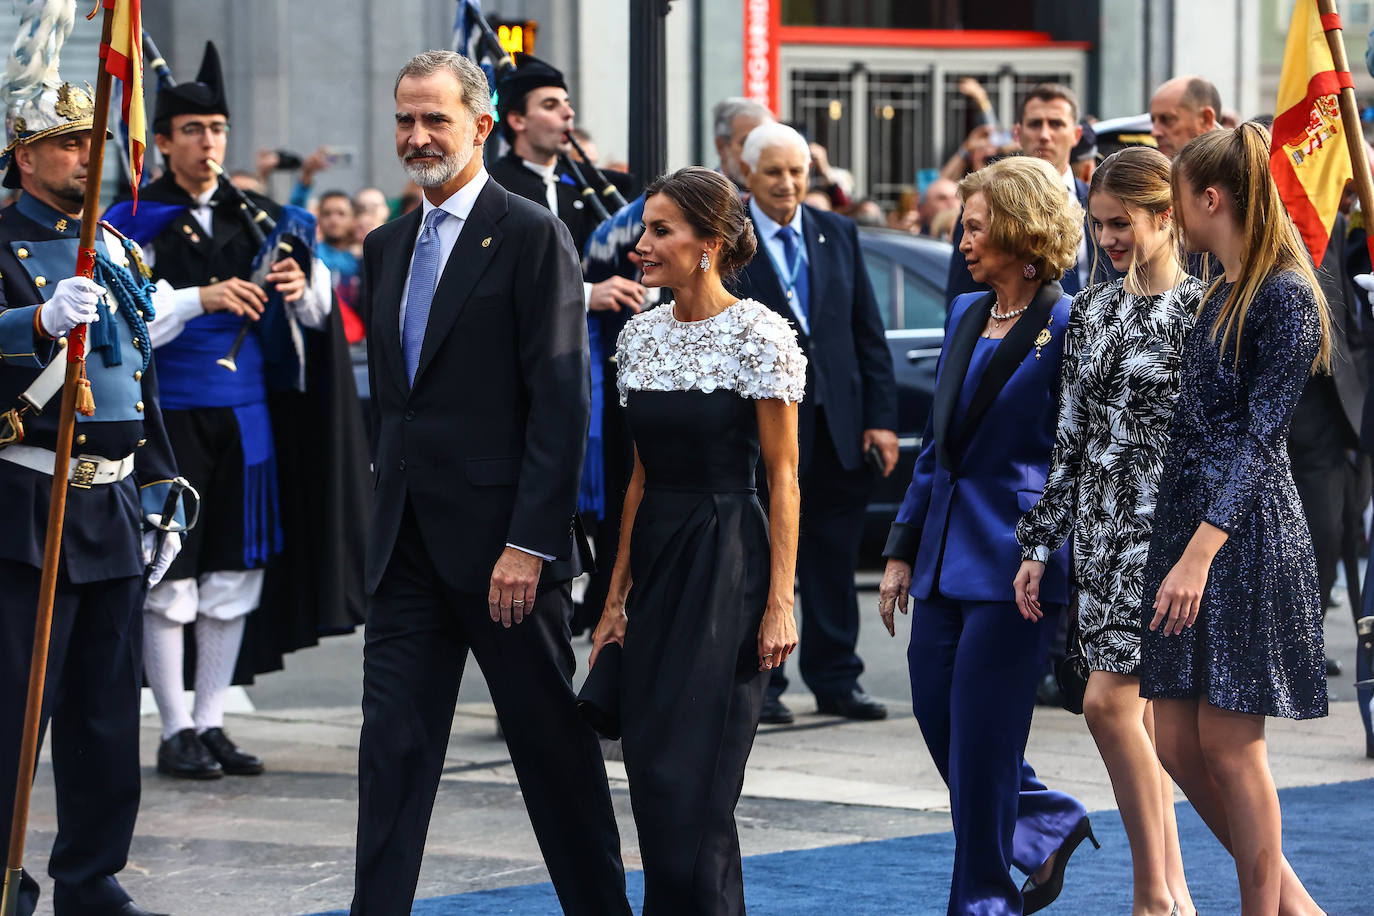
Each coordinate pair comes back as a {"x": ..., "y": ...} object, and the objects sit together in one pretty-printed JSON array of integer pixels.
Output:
[{"x": 257, "y": 577}]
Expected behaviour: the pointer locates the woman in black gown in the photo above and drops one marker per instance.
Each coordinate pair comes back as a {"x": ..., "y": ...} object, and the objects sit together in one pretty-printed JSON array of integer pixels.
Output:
[{"x": 701, "y": 594}]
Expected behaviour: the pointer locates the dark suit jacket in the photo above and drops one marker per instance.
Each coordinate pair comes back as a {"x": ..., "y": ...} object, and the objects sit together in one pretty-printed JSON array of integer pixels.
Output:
[
  {"x": 1349, "y": 370},
  {"x": 975, "y": 478},
  {"x": 961, "y": 281},
  {"x": 487, "y": 445},
  {"x": 576, "y": 214},
  {"x": 849, "y": 367}
]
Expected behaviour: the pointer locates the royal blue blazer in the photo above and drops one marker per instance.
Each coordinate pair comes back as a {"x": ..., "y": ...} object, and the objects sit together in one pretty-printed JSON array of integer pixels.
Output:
[{"x": 977, "y": 475}]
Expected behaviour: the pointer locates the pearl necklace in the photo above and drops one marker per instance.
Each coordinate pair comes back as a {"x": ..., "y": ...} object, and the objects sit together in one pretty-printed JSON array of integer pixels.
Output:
[{"x": 999, "y": 317}]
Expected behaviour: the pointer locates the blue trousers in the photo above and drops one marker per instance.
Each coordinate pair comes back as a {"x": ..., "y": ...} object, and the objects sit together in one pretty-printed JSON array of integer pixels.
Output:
[{"x": 974, "y": 667}]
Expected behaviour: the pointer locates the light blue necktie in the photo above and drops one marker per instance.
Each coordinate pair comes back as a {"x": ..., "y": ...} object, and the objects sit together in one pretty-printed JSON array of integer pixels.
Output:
[
  {"x": 797, "y": 284},
  {"x": 424, "y": 273}
]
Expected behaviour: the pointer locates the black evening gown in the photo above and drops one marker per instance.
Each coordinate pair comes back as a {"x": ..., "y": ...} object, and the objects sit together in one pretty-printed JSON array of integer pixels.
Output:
[
  {"x": 1257, "y": 644},
  {"x": 699, "y": 562}
]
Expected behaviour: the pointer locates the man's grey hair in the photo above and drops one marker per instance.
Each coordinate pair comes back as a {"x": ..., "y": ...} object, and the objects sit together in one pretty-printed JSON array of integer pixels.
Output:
[
  {"x": 471, "y": 79},
  {"x": 768, "y": 135},
  {"x": 726, "y": 110}
]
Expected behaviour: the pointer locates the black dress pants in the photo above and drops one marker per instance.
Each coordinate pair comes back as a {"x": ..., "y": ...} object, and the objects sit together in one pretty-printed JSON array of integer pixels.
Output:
[
  {"x": 418, "y": 635},
  {"x": 833, "y": 502},
  {"x": 91, "y": 697}
]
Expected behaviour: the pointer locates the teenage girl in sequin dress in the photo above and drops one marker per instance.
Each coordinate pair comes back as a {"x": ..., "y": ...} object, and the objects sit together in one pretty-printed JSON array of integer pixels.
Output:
[{"x": 1233, "y": 621}]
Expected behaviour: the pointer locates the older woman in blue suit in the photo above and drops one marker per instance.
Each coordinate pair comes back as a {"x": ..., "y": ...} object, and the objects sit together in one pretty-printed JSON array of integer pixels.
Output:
[{"x": 974, "y": 661}]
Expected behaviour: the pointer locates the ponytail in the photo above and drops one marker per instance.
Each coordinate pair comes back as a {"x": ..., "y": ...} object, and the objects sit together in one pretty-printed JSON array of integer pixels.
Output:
[{"x": 1236, "y": 162}]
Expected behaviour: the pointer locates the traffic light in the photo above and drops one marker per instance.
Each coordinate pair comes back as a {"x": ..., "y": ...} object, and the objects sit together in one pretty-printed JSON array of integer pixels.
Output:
[{"x": 516, "y": 34}]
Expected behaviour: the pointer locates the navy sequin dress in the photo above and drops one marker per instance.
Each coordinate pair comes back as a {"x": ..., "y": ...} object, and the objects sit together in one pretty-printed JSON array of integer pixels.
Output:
[{"x": 1257, "y": 644}]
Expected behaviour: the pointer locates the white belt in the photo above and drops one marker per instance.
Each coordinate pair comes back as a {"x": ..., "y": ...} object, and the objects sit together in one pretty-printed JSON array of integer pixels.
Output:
[{"x": 86, "y": 470}]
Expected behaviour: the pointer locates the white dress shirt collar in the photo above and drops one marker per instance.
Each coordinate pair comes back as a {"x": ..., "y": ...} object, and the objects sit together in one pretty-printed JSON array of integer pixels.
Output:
[
  {"x": 461, "y": 202},
  {"x": 546, "y": 172},
  {"x": 1070, "y": 182},
  {"x": 768, "y": 227}
]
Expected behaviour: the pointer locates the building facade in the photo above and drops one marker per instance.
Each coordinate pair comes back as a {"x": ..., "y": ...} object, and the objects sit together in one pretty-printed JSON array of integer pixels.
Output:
[{"x": 873, "y": 80}]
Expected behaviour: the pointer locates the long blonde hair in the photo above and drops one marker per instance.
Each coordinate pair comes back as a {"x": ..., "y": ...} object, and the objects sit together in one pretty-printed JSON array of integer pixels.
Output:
[
  {"x": 1237, "y": 162},
  {"x": 1138, "y": 177}
]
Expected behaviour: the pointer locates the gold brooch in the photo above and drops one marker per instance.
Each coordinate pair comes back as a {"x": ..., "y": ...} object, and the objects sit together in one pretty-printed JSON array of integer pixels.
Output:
[
  {"x": 73, "y": 103},
  {"x": 486, "y": 241},
  {"x": 1043, "y": 337}
]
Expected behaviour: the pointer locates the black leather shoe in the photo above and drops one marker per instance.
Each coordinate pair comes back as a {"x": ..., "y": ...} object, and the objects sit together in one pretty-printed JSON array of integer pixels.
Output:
[
  {"x": 234, "y": 759},
  {"x": 184, "y": 757},
  {"x": 133, "y": 909},
  {"x": 853, "y": 705},
  {"x": 1333, "y": 667},
  {"x": 775, "y": 712}
]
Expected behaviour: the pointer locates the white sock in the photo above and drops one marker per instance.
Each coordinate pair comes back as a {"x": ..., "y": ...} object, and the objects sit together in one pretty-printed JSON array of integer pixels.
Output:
[
  {"x": 217, "y": 651},
  {"x": 162, "y": 662}
]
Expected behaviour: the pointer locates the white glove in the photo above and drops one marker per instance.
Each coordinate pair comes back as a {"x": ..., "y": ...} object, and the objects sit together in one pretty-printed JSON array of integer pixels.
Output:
[
  {"x": 1366, "y": 283},
  {"x": 76, "y": 301},
  {"x": 171, "y": 546}
]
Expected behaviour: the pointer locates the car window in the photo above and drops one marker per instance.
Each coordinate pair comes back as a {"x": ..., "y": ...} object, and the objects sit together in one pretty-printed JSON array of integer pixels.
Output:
[
  {"x": 880, "y": 274},
  {"x": 923, "y": 304}
]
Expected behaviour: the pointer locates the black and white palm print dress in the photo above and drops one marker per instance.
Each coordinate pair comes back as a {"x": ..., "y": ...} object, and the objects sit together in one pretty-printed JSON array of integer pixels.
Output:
[{"x": 1119, "y": 382}]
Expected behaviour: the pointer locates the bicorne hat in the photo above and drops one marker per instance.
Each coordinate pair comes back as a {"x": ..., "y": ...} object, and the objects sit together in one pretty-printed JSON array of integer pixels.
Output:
[{"x": 204, "y": 96}]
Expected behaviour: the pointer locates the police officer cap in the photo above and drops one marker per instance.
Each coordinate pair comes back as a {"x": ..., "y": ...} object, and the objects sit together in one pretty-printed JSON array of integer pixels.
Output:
[
  {"x": 204, "y": 97},
  {"x": 530, "y": 73}
]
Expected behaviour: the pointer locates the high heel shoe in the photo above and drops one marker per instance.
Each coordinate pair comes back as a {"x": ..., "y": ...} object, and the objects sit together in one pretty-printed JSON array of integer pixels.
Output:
[{"x": 1035, "y": 897}]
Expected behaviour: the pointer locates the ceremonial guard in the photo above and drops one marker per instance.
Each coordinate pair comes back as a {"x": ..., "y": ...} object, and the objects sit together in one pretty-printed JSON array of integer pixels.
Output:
[
  {"x": 239, "y": 364},
  {"x": 121, "y": 474},
  {"x": 535, "y": 115}
]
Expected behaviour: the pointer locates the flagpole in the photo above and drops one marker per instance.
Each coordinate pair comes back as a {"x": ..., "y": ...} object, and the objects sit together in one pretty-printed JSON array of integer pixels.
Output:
[
  {"x": 1350, "y": 118},
  {"x": 57, "y": 505}
]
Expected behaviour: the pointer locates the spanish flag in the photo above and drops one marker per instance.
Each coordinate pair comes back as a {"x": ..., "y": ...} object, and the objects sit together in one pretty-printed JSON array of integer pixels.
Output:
[
  {"x": 123, "y": 59},
  {"x": 1308, "y": 156}
]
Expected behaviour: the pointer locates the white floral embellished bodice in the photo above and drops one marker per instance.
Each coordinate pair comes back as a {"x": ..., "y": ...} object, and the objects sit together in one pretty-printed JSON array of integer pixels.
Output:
[{"x": 748, "y": 348}]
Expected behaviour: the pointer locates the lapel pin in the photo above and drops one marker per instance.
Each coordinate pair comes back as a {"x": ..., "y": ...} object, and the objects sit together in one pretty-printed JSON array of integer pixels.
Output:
[
  {"x": 821, "y": 238},
  {"x": 185, "y": 228},
  {"x": 486, "y": 242}
]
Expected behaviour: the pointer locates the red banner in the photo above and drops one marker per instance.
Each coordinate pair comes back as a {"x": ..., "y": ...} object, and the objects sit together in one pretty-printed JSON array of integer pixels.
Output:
[{"x": 762, "y": 20}]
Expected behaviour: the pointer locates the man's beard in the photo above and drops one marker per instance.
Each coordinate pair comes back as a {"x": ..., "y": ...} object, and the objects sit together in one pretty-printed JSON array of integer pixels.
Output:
[
  {"x": 70, "y": 191},
  {"x": 435, "y": 174}
]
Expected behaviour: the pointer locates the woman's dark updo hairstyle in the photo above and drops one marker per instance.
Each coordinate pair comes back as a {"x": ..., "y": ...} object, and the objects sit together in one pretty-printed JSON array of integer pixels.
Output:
[{"x": 711, "y": 206}]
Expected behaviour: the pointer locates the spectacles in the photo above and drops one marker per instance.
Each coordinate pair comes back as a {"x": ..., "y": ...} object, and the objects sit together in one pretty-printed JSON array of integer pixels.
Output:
[{"x": 197, "y": 129}]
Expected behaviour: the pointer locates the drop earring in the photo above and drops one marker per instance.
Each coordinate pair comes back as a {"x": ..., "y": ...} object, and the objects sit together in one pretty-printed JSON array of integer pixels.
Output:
[{"x": 705, "y": 261}]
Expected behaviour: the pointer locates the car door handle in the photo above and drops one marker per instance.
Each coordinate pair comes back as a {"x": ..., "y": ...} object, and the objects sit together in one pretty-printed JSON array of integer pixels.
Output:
[{"x": 923, "y": 353}]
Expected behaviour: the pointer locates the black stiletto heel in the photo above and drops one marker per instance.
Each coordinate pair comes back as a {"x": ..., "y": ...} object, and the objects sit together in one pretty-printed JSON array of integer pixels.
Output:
[{"x": 1035, "y": 897}]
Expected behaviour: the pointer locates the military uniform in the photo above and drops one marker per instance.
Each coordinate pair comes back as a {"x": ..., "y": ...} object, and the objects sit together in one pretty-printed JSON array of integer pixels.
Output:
[{"x": 94, "y": 669}]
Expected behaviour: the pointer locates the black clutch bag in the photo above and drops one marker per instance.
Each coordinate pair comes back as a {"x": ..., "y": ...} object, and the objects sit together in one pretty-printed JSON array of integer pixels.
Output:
[
  {"x": 1072, "y": 672},
  {"x": 599, "y": 699}
]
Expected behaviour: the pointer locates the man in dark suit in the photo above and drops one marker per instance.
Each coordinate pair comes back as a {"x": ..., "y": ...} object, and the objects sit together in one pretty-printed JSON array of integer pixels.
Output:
[
  {"x": 478, "y": 371},
  {"x": 1048, "y": 129},
  {"x": 810, "y": 270}
]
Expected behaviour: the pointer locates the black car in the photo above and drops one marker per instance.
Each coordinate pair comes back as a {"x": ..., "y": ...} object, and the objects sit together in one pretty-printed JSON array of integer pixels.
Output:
[{"x": 908, "y": 274}]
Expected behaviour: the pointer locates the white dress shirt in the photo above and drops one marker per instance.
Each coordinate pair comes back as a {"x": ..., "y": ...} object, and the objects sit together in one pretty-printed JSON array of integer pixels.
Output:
[
  {"x": 549, "y": 173},
  {"x": 1084, "y": 265},
  {"x": 175, "y": 307},
  {"x": 768, "y": 231},
  {"x": 459, "y": 208}
]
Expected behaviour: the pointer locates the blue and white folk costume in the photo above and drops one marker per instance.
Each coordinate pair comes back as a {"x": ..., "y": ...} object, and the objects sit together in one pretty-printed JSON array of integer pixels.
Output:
[{"x": 221, "y": 423}]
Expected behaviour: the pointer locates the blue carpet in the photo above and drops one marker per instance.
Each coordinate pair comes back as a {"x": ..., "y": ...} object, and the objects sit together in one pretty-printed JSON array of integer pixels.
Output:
[{"x": 1326, "y": 837}]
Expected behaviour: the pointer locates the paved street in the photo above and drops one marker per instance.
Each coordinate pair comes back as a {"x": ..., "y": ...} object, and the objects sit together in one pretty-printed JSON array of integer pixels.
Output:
[{"x": 283, "y": 843}]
